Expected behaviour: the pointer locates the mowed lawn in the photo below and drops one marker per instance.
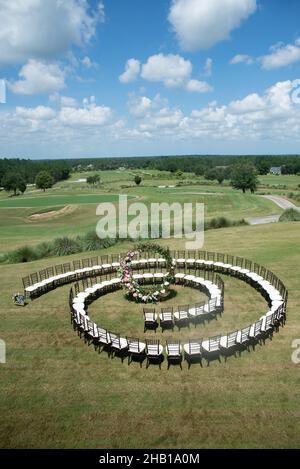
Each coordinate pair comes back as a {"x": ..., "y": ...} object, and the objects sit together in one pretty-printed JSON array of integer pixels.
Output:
[
  {"x": 59, "y": 393},
  {"x": 17, "y": 229},
  {"x": 291, "y": 181},
  {"x": 53, "y": 199}
]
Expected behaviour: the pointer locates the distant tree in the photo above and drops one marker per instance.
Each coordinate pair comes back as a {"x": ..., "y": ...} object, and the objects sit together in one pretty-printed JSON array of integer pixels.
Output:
[
  {"x": 22, "y": 186},
  {"x": 93, "y": 180},
  {"x": 209, "y": 174},
  {"x": 263, "y": 166},
  {"x": 179, "y": 173},
  {"x": 244, "y": 177},
  {"x": 217, "y": 174},
  {"x": 137, "y": 179},
  {"x": 220, "y": 175},
  {"x": 44, "y": 180},
  {"x": 170, "y": 166},
  {"x": 13, "y": 182}
]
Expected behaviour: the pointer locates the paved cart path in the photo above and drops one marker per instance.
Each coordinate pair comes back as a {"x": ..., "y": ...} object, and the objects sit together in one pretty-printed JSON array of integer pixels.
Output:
[{"x": 281, "y": 202}]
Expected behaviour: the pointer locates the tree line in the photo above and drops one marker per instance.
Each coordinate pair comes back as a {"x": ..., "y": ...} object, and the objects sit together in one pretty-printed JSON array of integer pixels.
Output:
[
  {"x": 198, "y": 164},
  {"x": 16, "y": 174}
]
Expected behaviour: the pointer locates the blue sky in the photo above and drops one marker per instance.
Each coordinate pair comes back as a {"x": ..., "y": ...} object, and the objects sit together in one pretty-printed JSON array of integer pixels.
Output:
[{"x": 144, "y": 77}]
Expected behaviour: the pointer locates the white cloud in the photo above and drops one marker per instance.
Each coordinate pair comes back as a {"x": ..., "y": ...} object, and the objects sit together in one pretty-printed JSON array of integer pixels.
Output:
[
  {"x": 88, "y": 63},
  {"x": 172, "y": 70},
  {"x": 281, "y": 56},
  {"x": 68, "y": 101},
  {"x": 164, "y": 119},
  {"x": 196, "y": 86},
  {"x": 199, "y": 24},
  {"x": 132, "y": 70},
  {"x": 63, "y": 101},
  {"x": 208, "y": 67},
  {"x": 272, "y": 116},
  {"x": 89, "y": 115},
  {"x": 252, "y": 102},
  {"x": 44, "y": 29},
  {"x": 38, "y": 113},
  {"x": 38, "y": 78},
  {"x": 139, "y": 105},
  {"x": 242, "y": 58}
]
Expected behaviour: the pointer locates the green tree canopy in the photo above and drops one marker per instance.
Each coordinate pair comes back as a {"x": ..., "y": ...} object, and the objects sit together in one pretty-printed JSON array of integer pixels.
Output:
[
  {"x": 244, "y": 177},
  {"x": 218, "y": 174},
  {"x": 44, "y": 180},
  {"x": 12, "y": 182},
  {"x": 93, "y": 180},
  {"x": 137, "y": 180}
]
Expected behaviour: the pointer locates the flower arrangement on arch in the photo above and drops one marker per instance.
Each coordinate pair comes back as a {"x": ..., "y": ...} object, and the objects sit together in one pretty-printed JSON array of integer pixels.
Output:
[{"x": 140, "y": 293}]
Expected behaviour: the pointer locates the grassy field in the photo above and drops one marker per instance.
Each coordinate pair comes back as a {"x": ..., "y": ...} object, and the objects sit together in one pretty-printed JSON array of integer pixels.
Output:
[
  {"x": 17, "y": 229},
  {"x": 50, "y": 199},
  {"x": 291, "y": 181},
  {"x": 57, "y": 392}
]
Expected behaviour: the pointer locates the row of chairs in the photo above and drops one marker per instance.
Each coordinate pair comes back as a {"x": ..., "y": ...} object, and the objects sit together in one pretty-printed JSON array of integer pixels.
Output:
[
  {"x": 230, "y": 342},
  {"x": 180, "y": 316},
  {"x": 182, "y": 259},
  {"x": 195, "y": 350}
]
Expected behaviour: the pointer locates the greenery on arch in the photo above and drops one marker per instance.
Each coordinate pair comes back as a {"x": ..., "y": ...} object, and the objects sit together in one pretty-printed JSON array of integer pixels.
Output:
[{"x": 145, "y": 293}]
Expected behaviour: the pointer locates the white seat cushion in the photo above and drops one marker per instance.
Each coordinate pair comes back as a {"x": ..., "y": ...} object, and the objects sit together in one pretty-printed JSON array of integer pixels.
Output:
[
  {"x": 154, "y": 350},
  {"x": 136, "y": 347},
  {"x": 150, "y": 317},
  {"x": 205, "y": 346},
  {"x": 180, "y": 315},
  {"x": 119, "y": 344},
  {"x": 195, "y": 349},
  {"x": 174, "y": 350},
  {"x": 166, "y": 317}
]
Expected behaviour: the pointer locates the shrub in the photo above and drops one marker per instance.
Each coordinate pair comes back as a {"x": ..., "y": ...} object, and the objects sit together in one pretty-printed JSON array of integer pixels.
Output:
[
  {"x": 223, "y": 222},
  {"x": 65, "y": 246},
  {"x": 220, "y": 222},
  {"x": 44, "y": 249},
  {"x": 23, "y": 254},
  {"x": 91, "y": 242},
  {"x": 290, "y": 215}
]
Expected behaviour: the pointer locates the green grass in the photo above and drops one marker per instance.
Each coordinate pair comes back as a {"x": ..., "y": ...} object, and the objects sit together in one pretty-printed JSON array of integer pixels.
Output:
[
  {"x": 291, "y": 181},
  {"x": 16, "y": 230},
  {"x": 290, "y": 215},
  {"x": 48, "y": 200},
  {"x": 58, "y": 393}
]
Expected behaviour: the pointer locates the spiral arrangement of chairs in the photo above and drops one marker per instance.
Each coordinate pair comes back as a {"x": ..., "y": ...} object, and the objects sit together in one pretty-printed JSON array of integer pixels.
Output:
[{"x": 193, "y": 269}]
